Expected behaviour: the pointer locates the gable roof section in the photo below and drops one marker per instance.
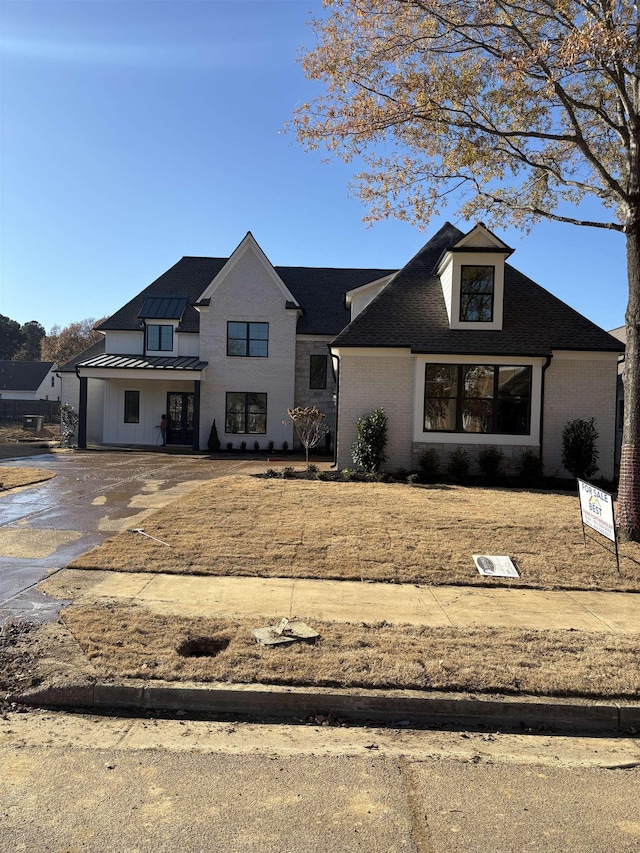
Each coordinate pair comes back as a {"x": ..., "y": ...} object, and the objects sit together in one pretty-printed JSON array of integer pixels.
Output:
[
  {"x": 23, "y": 375},
  {"x": 319, "y": 291},
  {"x": 410, "y": 313}
]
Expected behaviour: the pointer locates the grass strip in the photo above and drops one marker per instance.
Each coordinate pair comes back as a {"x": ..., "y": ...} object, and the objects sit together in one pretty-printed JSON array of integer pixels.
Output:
[{"x": 129, "y": 641}]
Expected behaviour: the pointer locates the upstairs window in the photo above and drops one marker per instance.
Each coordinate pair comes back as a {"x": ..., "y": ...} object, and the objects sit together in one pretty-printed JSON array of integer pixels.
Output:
[
  {"x": 318, "y": 371},
  {"x": 481, "y": 398},
  {"x": 159, "y": 338},
  {"x": 248, "y": 339},
  {"x": 476, "y": 294}
]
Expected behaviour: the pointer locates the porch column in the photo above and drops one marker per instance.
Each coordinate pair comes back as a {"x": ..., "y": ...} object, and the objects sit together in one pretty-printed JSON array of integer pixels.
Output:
[
  {"x": 82, "y": 414},
  {"x": 196, "y": 415}
]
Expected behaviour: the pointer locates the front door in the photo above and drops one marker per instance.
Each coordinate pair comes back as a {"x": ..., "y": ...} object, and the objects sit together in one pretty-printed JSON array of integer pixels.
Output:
[{"x": 180, "y": 407}]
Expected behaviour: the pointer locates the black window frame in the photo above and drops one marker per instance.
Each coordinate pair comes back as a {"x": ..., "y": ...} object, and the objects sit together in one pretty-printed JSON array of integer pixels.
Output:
[
  {"x": 315, "y": 373},
  {"x": 248, "y": 338},
  {"x": 132, "y": 407},
  {"x": 246, "y": 414},
  {"x": 469, "y": 297},
  {"x": 161, "y": 337},
  {"x": 463, "y": 403}
]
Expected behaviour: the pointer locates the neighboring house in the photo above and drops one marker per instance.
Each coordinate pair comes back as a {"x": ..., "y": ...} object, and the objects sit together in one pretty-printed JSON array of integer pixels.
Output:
[
  {"x": 29, "y": 380},
  {"x": 458, "y": 348}
]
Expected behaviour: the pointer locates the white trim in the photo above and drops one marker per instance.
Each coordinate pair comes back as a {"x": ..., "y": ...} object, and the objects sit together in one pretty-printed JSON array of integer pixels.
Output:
[
  {"x": 316, "y": 339},
  {"x": 248, "y": 244},
  {"x": 357, "y": 291},
  {"x": 365, "y": 352},
  {"x": 151, "y": 374}
]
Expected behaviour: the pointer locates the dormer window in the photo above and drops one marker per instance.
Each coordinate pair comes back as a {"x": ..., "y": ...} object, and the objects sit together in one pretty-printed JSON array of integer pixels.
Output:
[
  {"x": 476, "y": 293},
  {"x": 159, "y": 338}
]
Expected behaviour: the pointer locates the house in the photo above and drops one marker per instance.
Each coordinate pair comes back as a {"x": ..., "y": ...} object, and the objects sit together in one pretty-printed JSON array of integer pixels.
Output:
[
  {"x": 29, "y": 380},
  {"x": 462, "y": 350},
  {"x": 620, "y": 333},
  {"x": 458, "y": 347}
]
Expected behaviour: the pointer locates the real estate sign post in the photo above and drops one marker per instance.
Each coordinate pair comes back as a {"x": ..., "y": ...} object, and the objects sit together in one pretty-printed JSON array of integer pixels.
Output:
[{"x": 596, "y": 508}]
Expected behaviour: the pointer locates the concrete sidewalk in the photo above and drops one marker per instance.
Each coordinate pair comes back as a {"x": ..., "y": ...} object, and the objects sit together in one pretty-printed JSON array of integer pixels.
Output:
[{"x": 348, "y": 601}]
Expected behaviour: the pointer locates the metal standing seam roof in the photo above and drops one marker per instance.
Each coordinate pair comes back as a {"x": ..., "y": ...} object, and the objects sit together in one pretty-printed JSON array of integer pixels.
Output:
[
  {"x": 163, "y": 307},
  {"x": 140, "y": 362}
]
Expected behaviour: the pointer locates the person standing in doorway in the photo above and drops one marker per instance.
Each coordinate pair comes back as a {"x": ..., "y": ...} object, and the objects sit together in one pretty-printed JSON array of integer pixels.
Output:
[{"x": 164, "y": 426}]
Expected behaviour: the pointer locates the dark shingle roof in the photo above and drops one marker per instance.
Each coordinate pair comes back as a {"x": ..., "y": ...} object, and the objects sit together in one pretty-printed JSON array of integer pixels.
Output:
[
  {"x": 410, "y": 312},
  {"x": 320, "y": 293},
  {"x": 23, "y": 375}
]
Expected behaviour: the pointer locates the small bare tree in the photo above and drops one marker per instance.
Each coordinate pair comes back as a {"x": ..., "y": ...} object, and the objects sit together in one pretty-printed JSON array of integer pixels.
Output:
[{"x": 308, "y": 425}]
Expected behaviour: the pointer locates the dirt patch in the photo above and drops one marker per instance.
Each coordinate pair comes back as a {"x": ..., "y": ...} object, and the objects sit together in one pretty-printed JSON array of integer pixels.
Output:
[
  {"x": 128, "y": 641},
  {"x": 369, "y": 531},
  {"x": 12, "y": 433}
]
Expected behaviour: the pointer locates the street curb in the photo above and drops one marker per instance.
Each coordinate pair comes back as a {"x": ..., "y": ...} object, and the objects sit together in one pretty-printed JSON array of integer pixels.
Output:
[{"x": 371, "y": 705}]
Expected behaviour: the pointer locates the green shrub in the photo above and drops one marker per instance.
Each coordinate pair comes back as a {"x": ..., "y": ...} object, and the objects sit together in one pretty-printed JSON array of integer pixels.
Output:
[
  {"x": 285, "y": 446},
  {"x": 529, "y": 467},
  {"x": 271, "y": 447},
  {"x": 288, "y": 472},
  {"x": 580, "y": 452},
  {"x": 312, "y": 468},
  {"x": 243, "y": 446},
  {"x": 229, "y": 445},
  {"x": 214, "y": 442},
  {"x": 458, "y": 465},
  {"x": 270, "y": 473},
  {"x": 256, "y": 445},
  {"x": 368, "y": 451},
  {"x": 429, "y": 465},
  {"x": 490, "y": 462}
]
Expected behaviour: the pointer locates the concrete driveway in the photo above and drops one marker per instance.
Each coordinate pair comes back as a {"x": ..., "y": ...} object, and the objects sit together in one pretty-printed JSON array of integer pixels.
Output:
[{"x": 93, "y": 495}]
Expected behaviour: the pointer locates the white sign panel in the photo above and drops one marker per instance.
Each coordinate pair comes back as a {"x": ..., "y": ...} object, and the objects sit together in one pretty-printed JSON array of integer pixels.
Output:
[
  {"x": 495, "y": 567},
  {"x": 596, "y": 507}
]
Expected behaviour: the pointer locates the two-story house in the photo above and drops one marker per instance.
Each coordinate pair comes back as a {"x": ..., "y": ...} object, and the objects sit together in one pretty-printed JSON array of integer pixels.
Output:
[{"x": 458, "y": 347}]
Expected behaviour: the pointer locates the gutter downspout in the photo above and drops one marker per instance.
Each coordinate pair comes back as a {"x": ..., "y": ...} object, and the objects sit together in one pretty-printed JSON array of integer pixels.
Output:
[
  {"x": 544, "y": 371},
  {"x": 336, "y": 373}
]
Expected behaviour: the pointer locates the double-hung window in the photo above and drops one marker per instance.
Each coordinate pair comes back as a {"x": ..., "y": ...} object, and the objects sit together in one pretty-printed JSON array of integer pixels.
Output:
[
  {"x": 476, "y": 294},
  {"x": 159, "y": 338},
  {"x": 248, "y": 339},
  {"x": 246, "y": 413},
  {"x": 481, "y": 398}
]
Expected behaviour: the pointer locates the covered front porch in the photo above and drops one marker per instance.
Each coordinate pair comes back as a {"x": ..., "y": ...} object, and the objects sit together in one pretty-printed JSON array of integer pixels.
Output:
[{"x": 123, "y": 398}]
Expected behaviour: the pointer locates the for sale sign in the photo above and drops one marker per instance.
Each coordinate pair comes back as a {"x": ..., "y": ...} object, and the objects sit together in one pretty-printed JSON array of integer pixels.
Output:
[{"x": 596, "y": 507}]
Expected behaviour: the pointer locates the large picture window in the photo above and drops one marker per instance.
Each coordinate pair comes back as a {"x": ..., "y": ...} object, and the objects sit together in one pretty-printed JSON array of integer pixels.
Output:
[
  {"x": 159, "y": 338},
  {"x": 132, "y": 407},
  {"x": 248, "y": 339},
  {"x": 476, "y": 294},
  {"x": 482, "y": 398},
  {"x": 246, "y": 413}
]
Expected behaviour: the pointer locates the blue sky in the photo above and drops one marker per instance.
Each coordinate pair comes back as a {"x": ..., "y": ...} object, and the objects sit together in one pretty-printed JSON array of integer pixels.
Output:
[{"x": 133, "y": 132}]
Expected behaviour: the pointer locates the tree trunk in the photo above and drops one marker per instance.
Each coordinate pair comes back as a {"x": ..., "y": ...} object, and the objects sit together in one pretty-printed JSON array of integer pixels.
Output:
[{"x": 629, "y": 486}]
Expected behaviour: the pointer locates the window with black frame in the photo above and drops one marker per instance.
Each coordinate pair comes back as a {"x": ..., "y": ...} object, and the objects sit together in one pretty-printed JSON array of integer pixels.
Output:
[
  {"x": 246, "y": 413},
  {"x": 248, "y": 340},
  {"x": 480, "y": 398},
  {"x": 132, "y": 407},
  {"x": 318, "y": 372},
  {"x": 159, "y": 338}
]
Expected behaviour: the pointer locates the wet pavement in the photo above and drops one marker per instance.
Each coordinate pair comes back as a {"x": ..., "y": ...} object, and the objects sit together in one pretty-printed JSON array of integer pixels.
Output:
[{"x": 94, "y": 495}]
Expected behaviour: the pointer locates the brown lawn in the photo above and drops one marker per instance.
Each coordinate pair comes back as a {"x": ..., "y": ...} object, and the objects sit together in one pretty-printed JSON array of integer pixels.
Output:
[
  {"x": 397, "y": 533},
  {"x": 13, "y": 478},
  {"x": 127, "y": 641}
]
